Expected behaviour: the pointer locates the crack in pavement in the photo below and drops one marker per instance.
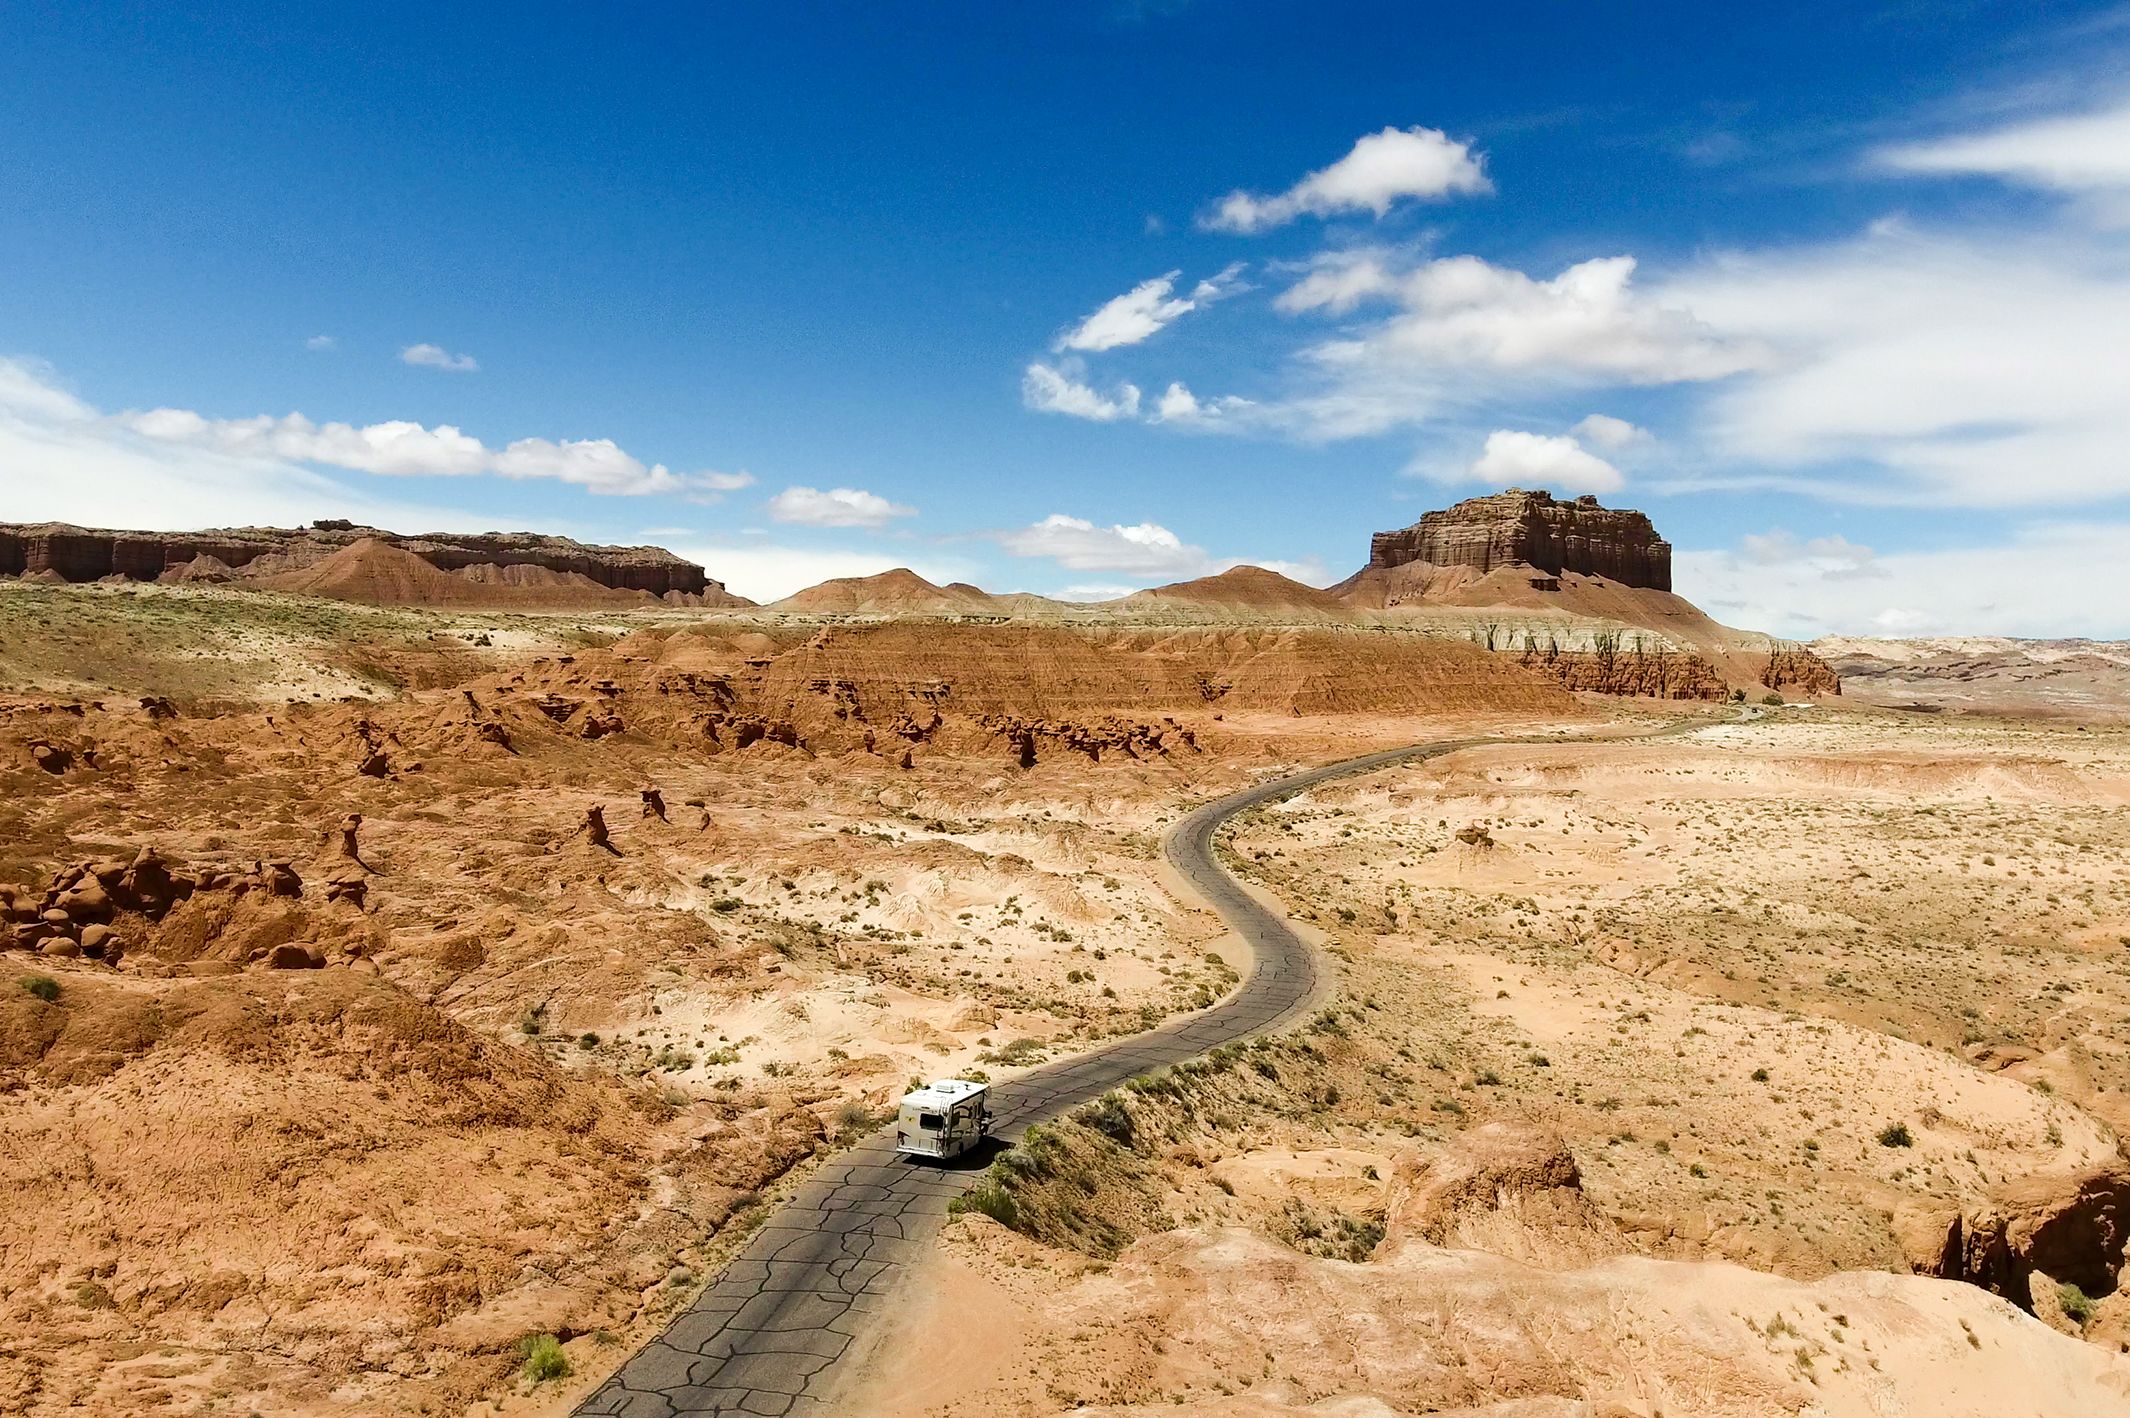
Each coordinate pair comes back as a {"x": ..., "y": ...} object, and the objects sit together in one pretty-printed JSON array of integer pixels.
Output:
[{"x": 765, "y": 1337}]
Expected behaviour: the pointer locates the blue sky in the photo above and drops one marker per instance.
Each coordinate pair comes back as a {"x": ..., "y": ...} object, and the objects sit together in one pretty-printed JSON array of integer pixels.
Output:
[{"x": 1090, "y": 297}]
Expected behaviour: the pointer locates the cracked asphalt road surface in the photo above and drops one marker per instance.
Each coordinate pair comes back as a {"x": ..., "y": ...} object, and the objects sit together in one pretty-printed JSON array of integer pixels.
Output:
[{"x": 767, "y": 1336}]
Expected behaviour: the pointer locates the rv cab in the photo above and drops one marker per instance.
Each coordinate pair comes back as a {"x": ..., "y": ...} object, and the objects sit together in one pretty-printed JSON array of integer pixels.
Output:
[{"x": 943, "y": 1119}]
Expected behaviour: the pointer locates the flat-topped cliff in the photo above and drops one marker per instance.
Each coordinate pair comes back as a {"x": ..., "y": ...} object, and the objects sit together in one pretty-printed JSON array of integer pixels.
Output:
[
  {"x": 90, "y": 554},
  {"x": 1533, "y": 529}
]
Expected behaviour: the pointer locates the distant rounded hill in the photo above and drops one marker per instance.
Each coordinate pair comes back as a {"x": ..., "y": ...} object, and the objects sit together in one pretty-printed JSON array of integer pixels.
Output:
[
  {"x": 898, "y": 592},
  {"x": 1249, "y": 592}
]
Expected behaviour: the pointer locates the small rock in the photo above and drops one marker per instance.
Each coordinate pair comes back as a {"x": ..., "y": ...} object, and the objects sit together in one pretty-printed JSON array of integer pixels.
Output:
[
  {"x": 294, "y": 957},
  {"x": 87, "y": 902}
]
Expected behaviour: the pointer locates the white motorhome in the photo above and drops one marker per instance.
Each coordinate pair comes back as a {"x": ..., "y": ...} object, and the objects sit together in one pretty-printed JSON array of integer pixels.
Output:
[{"x": 943, "y": 1119}]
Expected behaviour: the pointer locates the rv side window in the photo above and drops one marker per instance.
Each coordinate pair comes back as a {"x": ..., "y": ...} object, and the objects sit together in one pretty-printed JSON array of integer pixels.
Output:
[{"x": 931, "y": 1122}]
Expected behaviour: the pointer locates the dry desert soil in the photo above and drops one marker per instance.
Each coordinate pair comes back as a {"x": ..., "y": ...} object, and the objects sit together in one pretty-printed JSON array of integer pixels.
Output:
[{"x": 429, "y": 984}]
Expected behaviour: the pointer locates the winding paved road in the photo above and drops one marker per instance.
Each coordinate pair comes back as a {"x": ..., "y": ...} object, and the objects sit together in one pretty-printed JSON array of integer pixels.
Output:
[{"x": 766, "y": 1337}]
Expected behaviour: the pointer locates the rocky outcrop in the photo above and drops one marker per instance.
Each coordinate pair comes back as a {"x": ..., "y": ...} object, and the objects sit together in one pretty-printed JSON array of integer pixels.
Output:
[
  {"x": 1519, "y": 528},
  {"x": 2071, "y": 1229},
  {"x": 1509, "y": 1188},
  {"x": 232, "y": 554},
  {"x": 1638, "y": 672},
  {"x": 1800, "y": 671}
]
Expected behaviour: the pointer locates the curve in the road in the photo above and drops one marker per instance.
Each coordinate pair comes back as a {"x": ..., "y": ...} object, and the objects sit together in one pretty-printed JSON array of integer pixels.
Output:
[{"x": 766, "y": 1336}]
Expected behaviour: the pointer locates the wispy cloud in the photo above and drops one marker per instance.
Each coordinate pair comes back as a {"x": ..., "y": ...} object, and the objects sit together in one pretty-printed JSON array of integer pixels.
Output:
[
  {"x": 1382, "y": 169},
  {"x": 1145, "y": 310},
  {"x": 837, "y": 507},
  {"x": 321, "y": 342},
  {"x": 2076, "y": 152},
  {"x": 2039, "y": 581},
  {"x": 1147, "y": 552},
  {"x": 1062, "y": 390},
  {"x": 280, "y": 446},
  {"x": 437, "y": 357}
]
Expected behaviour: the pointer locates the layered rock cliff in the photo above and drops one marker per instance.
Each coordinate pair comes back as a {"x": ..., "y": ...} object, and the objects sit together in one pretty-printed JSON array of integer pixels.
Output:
[
  {"x": 86, "y": 554},
  {"x": 1519, "y": 528}
]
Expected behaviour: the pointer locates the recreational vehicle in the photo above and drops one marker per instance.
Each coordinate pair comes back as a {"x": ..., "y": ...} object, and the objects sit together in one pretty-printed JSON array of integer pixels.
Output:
[{"x": 943, "y": 1119}]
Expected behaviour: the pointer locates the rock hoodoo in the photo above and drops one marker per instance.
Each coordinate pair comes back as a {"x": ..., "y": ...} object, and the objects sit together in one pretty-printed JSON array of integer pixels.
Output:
[{"x": 1533, "y": 529}]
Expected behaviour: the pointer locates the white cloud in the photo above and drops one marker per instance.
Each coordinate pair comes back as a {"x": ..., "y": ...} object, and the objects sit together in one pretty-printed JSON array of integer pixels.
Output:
[
  {"x": 65, "y": 462},
  {"x": 1830, "y": 554},
  {"x": 598, "y": 465},
  {"x": 2040, "y": 582},
  {"x": 437, "y": 357},
  {"x": 393, "y": 448},
  {"x": 1144, "y": 549},
  {"x": 1462, "y": 333},
  {"x": 1096, "y": 591},
  {"x": 1538, "y": 460},
  {"x": 1057, "y": 391},
  {"x": 1178, "y": 405},
  {"x": 1145, "y": 310},
  {"x": 1338, "y": 281},
  {"x": 1147, "y": 552},
  {"x": 2081, "y": 152},
  {"x": 838, "y": 507},
  {"x": 30, "y": 390},
  {"x": 1984, "y": 368},
  {"x": 1609, "y": 433},
  {"x": 1587, "y": 322},
  {"x": 321, "y": 342},
  {"x": 1381, "y": 170}
]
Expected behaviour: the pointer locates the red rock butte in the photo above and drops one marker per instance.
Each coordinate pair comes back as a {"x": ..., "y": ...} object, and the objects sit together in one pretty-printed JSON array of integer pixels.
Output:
[
  {"x": 1533, "y": 529},
  {"x": 252, "y": 553}
]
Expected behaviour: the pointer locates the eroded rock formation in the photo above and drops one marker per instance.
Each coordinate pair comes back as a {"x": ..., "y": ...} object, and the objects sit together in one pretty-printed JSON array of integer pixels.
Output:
[
  {"x": 90, "y": 554},
  {"x": 183, "y": 915},
  {"x": 1638, "y": 672},
  {"x": 1800, "y": 671},
  {"x": 2073, "y": 1229},
  {"x": 1519, "y": 528}
]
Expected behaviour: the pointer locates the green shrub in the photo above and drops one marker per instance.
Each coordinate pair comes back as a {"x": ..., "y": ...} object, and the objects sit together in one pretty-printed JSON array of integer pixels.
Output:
[
  {"x": 1895, "y": 1135},
  {"x": 2075, "y": 1303},
  {"x": 1108, "y": 1116},
  {"x": 43, "y": 986},
  {"x": 1017, "y": 1053},
  {"x": 1772, "y": 700},
  {"x": 989, "y": 1198},
  {"x": 544, "y": 1358}
]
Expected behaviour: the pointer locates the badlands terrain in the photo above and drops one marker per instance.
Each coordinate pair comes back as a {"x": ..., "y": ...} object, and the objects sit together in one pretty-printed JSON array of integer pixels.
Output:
[{"x": 418, "y": 988}]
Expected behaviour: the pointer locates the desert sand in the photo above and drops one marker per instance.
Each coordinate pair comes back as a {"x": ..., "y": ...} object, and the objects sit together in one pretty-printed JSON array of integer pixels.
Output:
[
  {"x": 425, "y": 982},
  {"x": 1606, "y": 1119}
]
